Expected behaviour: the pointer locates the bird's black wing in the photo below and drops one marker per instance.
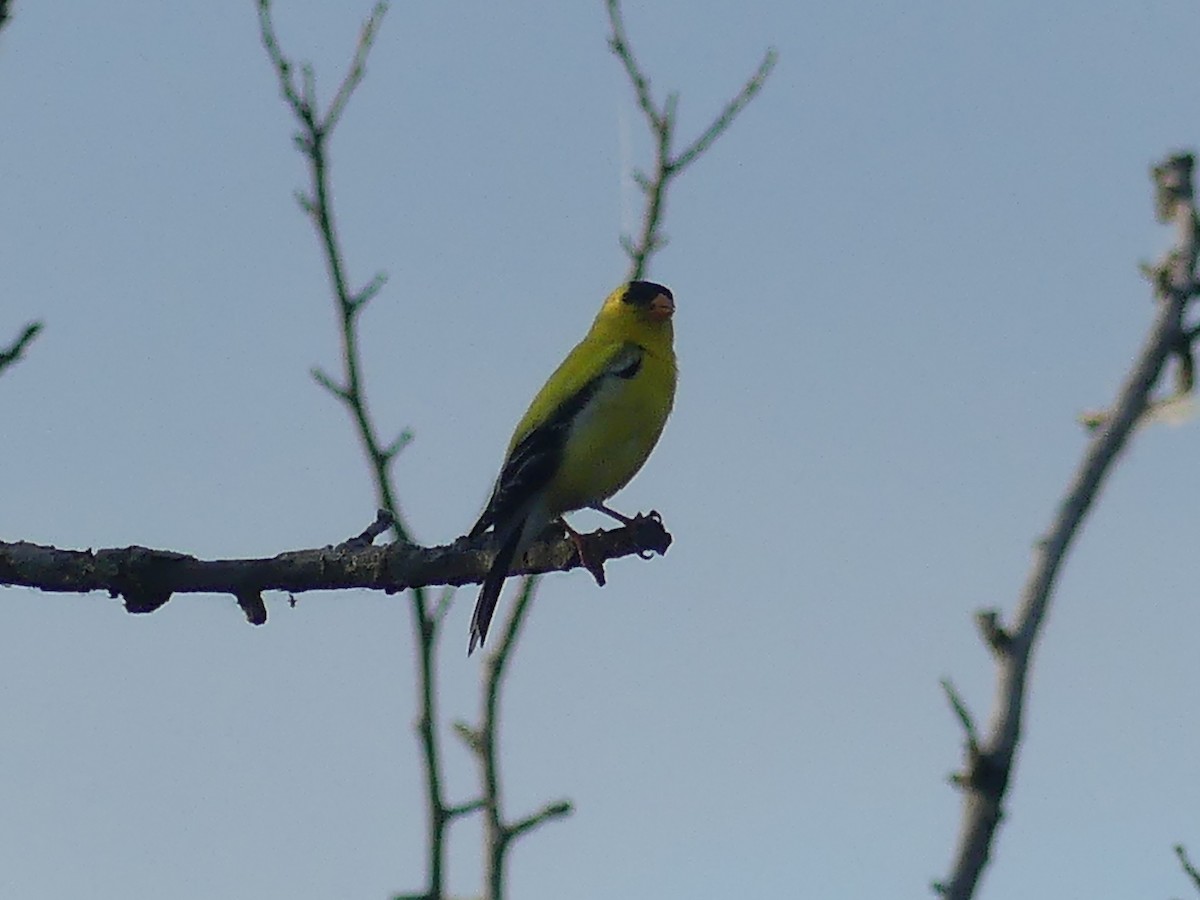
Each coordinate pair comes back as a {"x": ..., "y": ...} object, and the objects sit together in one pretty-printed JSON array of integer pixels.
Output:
[{"x": 536, "y": 457}]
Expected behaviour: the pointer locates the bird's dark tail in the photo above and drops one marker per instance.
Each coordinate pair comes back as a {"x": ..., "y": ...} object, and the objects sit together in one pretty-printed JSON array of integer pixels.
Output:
[{"x": 493, "y": 583}]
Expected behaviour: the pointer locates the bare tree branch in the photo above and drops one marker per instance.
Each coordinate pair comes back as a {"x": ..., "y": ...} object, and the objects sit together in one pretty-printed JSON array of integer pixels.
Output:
[
  {"x": 426, "y": 615},
  {"x": 13, "y": 352},
  {"x": 147, "y": 578},
  {"x": 986, "y": 777},
  {"x": 661, "y": 120}
]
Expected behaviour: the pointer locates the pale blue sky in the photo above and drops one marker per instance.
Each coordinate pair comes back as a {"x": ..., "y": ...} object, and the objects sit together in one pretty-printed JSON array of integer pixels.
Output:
[{"x": 899, "y": 278}]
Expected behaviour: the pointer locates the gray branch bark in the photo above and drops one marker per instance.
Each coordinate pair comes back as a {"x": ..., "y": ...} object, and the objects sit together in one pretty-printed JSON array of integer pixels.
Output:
[
  {"x": 146, "y": 579},
  {"x": 990, "y": 758}
]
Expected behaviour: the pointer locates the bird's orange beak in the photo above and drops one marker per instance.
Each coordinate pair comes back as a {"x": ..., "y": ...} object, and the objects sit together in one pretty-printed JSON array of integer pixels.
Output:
[{"x": 662, "y": 308}]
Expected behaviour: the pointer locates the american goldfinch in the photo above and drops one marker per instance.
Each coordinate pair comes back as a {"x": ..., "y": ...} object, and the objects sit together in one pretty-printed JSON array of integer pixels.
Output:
[{"x": 586, "y": 433}]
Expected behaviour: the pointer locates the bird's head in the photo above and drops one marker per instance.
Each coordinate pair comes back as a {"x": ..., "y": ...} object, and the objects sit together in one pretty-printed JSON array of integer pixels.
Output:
[
  {"x": 649, "y": 300},
  {"x": 641, "y": 309}
]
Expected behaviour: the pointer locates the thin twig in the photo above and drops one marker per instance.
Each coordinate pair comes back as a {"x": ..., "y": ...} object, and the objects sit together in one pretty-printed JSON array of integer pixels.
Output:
[
  {"x": 13, "y": 352},
  {"x": 661, "y": 120},
  {"x": 964, "y": 715},
  {"x": 986, "y": 780},
  {"x": 464, "y": 809},
  {"x": 383, "y": 521},
  {"x": 495, "y": 668},
  {"x": 1186, "y": 864},
  {"x": 725, "y": 118},
  {"x": 485, "y": 743},
  {"x": 992, "y": 631},
  {"x": 547, "y": 813},
  {"x": 500, "y": 834},
  {"x": 311, "y": 140},
  {"x": 354, "y": 75}
]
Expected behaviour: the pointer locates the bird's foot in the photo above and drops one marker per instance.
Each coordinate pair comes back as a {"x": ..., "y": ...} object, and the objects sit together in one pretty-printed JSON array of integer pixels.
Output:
[
  {"x": 652, "y": 516},
  {"x": 609, "y": 511}
]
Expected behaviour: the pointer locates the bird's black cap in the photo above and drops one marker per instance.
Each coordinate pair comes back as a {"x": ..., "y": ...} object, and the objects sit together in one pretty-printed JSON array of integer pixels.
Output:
[{"x": 640, "y": 293}]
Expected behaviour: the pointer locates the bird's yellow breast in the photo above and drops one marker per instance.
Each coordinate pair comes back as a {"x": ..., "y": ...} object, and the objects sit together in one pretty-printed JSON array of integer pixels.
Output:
[
  {"x": 611, "y": 439},
  {"x": 623, "y": 374}
]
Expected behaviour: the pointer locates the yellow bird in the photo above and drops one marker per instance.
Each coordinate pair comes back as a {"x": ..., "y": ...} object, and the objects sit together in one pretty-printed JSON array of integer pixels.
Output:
[{"x": 586, "y": 433}]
